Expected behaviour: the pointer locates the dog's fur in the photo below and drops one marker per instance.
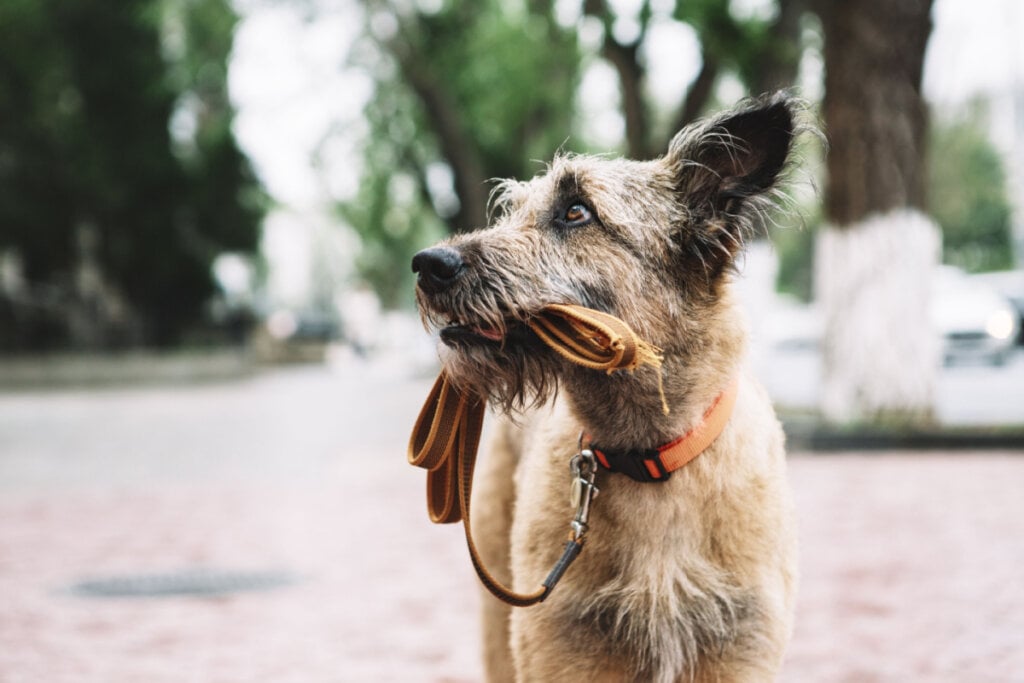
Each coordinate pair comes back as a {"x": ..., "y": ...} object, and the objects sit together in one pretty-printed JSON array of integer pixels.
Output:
[{"x": 692, "y": 579}]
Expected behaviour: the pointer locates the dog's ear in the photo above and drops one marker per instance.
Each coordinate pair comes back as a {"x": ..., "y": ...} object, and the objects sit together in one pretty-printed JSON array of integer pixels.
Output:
[{"x": 722, "y": 167}]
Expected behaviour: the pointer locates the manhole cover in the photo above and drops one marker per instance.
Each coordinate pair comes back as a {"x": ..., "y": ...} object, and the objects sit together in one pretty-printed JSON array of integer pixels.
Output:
[{"x": 206, "y": 582}]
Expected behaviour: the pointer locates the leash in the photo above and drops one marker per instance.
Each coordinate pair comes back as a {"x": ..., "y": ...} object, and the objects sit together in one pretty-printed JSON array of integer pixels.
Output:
[{"x": 446, "y": 435}]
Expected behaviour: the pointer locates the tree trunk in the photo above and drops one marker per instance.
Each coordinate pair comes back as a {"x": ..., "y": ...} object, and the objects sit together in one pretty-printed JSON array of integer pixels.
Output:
[
  {"x": 625, "y": 58},
  {"x": 873, "y": 108},
  {"x": 780, "y": 64},
  {"x": 457, "y": 148},
  {"x": 876, "y": 255},
  {"x": 872, "y": 282},
  {"x": 697, "y": 96},
  {"x": 626, "y": 62}
]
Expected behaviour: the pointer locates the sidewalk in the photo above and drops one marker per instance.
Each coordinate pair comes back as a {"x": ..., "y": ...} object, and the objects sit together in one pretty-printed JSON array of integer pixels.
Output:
[
  {"x": 128, "y": 367},
  {"x": 910, "y": 561}
]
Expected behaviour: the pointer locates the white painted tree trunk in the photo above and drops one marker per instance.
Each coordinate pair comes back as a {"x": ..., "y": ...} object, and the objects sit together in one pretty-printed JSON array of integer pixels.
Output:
[{"x": 872, "y": 282}]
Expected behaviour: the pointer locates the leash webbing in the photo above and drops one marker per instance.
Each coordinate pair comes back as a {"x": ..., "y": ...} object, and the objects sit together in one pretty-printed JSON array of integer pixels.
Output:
[{"x": 446, "y": 435}]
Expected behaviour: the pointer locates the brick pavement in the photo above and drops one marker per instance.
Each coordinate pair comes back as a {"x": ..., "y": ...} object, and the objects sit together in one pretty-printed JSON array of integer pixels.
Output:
[{"x": 911, "y": 563}]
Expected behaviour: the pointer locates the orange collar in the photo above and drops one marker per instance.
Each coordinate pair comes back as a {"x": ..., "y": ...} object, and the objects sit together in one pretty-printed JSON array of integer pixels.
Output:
[{"x": 657, "y": 464}]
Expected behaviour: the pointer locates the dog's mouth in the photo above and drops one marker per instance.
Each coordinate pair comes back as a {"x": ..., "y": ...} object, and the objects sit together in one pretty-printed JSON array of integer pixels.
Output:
[
  {"x": 510, "y": 332},
  {"x": 458, "y": 334}
]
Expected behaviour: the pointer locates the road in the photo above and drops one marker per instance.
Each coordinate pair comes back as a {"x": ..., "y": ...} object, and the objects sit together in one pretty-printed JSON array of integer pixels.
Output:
[{"x": 910, "y": 562}]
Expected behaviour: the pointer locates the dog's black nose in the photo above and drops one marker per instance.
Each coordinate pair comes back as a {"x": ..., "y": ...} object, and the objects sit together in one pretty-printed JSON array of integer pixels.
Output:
[{"x": 437, "y": 268}]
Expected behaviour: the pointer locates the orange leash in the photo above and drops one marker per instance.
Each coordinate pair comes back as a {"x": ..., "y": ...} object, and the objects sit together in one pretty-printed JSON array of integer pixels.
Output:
[
  {"x": 596, "y": 340},
  {"x": 444, "y": 442},
  {"x": 446, "y": 435}
]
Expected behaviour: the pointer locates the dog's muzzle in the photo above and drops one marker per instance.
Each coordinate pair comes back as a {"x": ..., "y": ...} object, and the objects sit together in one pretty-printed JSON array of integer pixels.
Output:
[{"x": 437, "y": 268}]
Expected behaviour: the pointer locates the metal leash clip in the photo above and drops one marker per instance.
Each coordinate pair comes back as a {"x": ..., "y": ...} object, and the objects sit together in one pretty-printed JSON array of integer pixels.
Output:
[{"x": 583, "y": 467}]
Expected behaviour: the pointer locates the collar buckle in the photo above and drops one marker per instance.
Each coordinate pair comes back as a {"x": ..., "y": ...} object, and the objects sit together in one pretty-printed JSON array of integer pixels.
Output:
[{"x": 641, "y": 464}]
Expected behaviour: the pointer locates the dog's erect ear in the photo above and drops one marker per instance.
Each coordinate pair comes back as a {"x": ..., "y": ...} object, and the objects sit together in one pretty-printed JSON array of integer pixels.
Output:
[
  {"x": 725, "y": 164},
  {"x": 735, "y": 155}
]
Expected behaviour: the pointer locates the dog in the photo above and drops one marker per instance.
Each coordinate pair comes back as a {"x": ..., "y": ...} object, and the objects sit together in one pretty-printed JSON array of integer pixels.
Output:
[{"x": 686, "y": 576}]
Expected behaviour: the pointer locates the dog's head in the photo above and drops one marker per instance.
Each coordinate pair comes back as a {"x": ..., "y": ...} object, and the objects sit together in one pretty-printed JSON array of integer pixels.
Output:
[{"x": 650, "y": 242}]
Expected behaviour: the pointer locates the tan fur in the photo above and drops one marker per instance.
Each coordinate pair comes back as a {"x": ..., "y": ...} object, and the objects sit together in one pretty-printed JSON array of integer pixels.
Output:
[{"x": 692, "y": 579}]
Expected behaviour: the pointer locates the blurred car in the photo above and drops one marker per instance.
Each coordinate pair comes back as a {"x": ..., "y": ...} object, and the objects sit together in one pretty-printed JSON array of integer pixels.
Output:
[
  {"x": 288, "y": 336},
  {"x": 1009, "y": 283},
  {"x": 975, "y": 320}
]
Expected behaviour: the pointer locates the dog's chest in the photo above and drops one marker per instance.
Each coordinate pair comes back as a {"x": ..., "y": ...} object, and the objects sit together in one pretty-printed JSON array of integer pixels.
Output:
[
  {"x": 661, "y": 521},
  {"x": 641, "y": 585}
]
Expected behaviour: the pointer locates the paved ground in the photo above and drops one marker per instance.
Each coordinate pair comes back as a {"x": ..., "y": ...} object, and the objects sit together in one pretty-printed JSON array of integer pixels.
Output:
[{"x": 911, "y": 563}]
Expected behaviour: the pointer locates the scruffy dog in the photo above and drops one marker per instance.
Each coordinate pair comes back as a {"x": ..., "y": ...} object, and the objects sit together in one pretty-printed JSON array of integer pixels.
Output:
[{"x": 687, "y": 577}]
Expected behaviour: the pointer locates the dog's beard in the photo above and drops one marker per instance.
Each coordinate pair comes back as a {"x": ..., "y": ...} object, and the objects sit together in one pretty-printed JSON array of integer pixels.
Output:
[
  {"x": 515, "y": 373},
  {"x": 488, "y": 347},
  {"x": 496, "y": 358}
]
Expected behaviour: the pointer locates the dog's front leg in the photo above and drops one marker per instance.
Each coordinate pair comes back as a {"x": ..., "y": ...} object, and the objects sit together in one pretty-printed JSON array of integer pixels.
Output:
[{"x": 543, "y": 653}]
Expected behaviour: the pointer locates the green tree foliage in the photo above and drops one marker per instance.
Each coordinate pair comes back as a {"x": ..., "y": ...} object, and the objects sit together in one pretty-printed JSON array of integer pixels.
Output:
[
  {"x": 763, "y": 53},
  {"x": 795, "y": 249},
  {"x": 967, "y": 193},
  {"x": 470, "y": 91},
  {"x": 114, "y": 224}
]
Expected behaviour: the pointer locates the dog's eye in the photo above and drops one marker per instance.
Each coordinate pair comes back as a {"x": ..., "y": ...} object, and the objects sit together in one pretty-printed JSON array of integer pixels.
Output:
[{"x": 577, "y": 214}]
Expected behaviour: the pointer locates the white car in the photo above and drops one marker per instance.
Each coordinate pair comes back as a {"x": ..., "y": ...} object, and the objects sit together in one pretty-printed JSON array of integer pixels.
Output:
[
  {"x": 975, "y": 321},
  {"x": 971, "y": 318}
]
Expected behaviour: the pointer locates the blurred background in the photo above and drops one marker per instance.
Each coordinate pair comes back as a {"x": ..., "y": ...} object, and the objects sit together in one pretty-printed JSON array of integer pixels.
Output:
[{"x": 210, "y": 360}]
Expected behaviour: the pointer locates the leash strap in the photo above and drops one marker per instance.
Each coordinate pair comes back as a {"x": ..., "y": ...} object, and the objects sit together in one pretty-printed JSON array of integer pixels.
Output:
[
  {"x": 444, "y": 442},
  {"x": 446, "y": 435}
]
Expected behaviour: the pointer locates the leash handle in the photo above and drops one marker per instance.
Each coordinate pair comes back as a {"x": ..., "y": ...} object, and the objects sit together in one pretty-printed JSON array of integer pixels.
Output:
[
  {"x": 448, "y": 427},
  {"x": 593, "y": 339},
  {"x": 596, "y": 340}
]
